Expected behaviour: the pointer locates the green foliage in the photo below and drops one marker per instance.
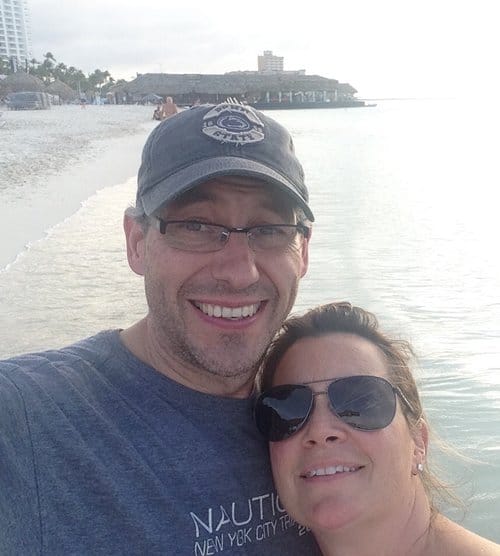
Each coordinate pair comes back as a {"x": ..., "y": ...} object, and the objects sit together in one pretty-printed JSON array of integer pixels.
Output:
[{"x": 50, "y": 69}]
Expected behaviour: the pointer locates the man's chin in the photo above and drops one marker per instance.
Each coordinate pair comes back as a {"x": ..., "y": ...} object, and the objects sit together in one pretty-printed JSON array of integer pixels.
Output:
[
  {"x": 229, "y": 370},
  {"x": 229, "y": 354}
]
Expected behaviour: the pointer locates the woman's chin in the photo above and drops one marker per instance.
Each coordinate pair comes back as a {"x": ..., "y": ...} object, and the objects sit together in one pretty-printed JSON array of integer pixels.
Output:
[{"x": 327, "y": 516}]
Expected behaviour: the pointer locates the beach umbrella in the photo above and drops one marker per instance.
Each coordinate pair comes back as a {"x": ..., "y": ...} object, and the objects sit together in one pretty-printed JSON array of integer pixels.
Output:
[
  {"x": 21, "y": 81},
  {"x": 65, "y": 92}
]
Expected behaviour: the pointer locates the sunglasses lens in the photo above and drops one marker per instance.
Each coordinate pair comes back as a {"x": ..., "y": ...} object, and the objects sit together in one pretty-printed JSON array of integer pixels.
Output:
[
  {"x": 364, "y": 402},
  {"x": 282, "y": 410}
]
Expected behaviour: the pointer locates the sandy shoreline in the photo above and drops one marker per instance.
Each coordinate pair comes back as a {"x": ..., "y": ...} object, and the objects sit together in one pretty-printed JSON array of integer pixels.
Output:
[{"x": 52, "y": 161}]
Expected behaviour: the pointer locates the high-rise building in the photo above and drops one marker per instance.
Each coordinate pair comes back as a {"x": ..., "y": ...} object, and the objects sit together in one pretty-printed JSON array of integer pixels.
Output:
[
  {"x": 268, "y": 63},
  {"x": 15, "y": 33}
]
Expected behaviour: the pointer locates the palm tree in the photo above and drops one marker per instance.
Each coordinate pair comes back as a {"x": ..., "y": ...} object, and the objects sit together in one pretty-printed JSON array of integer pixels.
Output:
[
  {"x": 76, "y": 79},
  {"x": 49, "y": 70},
  {"x": 47, "y": 67},
  {"x": 33, "y": 65},
  {"x": 98, "y": 79},
  {"x": 49, "y": 56},
  {"x": 60, "y": 71}
]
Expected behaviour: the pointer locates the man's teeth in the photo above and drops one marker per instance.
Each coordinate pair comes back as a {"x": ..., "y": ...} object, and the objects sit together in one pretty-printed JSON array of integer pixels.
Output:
[
  {"x": 329, "y": 471},
  {"x": 228, "y": 312}
]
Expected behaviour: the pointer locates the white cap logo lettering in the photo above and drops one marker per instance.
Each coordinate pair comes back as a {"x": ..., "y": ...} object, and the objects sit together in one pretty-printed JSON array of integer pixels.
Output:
[{"x": 233, "y": 123}]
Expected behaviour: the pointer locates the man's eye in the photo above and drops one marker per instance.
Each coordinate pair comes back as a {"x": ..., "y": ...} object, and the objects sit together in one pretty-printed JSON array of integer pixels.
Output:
[
  {"x": 266, "y": 231},
  {"x": 192, "y": 226}
]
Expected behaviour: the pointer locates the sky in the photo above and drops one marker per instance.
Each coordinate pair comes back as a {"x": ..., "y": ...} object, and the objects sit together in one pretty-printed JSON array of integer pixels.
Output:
[{"x": 383, "y": 48}]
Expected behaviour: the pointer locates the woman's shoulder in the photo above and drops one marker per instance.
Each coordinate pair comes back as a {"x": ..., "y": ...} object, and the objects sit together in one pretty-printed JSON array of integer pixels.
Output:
[{"x": 451, "y": 539}]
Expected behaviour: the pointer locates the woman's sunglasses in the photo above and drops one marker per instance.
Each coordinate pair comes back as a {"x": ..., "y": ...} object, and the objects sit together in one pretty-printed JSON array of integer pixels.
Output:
[{"x": 362, "y": 401}]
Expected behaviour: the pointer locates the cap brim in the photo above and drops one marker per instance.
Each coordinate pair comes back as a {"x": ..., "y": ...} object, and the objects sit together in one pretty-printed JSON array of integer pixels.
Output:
[{"x": 203, "y": 170}]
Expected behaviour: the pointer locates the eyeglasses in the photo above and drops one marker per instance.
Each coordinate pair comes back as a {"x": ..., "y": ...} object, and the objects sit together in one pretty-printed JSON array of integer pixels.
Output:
[
  {"x": 362, "y": 401},
  {"x": 192, "y": 235}
]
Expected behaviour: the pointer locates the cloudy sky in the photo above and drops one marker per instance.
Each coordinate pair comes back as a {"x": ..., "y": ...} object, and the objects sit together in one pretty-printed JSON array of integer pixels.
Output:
[{"x": 384, "y": 48}]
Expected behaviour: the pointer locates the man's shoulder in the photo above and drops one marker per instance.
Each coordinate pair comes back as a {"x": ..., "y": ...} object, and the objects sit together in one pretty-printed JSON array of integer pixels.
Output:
[{"x": 46, "y": 365}]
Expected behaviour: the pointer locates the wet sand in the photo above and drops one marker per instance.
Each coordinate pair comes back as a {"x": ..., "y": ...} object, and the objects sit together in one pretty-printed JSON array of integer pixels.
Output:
[{"x": 53, "y": 160}]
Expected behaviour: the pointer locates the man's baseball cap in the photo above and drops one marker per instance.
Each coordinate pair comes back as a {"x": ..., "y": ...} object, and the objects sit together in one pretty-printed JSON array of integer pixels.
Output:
[{"x": 207, "y": 141}]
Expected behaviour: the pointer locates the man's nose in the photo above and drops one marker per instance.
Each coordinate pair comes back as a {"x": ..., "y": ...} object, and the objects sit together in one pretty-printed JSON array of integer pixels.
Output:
[{"x": 235, "y": 263}]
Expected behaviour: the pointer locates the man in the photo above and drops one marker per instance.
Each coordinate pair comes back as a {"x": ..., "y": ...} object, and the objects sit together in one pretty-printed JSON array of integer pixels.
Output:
[
  {"x": 168, "y": 108},
  {"x": 141, "y": 441}
]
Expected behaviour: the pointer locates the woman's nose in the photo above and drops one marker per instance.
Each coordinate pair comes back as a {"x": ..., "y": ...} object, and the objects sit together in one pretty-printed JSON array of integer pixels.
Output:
[{"x": 323, "y": 425}]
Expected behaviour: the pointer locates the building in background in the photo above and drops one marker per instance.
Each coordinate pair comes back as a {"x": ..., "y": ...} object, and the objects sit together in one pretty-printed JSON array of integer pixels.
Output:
[
  {"x": 279, "y": 90},
  {"x": 15, "y": 33},
  {"x": 268, "y": 63}
]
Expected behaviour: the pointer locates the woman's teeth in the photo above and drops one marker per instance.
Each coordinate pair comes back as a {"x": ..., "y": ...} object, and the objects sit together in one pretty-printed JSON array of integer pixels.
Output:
[{"x": 329, "y": 471}]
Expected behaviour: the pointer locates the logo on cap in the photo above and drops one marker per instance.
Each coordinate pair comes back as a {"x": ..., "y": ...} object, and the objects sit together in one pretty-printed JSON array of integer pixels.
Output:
[{"x": 233, "y": 123}]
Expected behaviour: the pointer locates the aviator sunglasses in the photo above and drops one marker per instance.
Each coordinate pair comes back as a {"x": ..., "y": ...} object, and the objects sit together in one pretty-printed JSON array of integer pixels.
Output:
[{"x": 364, "y": 402}]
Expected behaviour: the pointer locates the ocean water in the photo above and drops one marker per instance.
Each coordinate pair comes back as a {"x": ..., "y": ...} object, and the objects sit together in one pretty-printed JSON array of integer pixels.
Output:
[{"x": 406, "y": 226}]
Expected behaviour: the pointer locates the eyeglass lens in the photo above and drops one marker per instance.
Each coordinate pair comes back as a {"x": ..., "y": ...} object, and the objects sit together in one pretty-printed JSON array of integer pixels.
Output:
[
  {"x": 363, "y": 402},
  {"x": 199, "y": 236},
  {"x": 283, "y": 410}
]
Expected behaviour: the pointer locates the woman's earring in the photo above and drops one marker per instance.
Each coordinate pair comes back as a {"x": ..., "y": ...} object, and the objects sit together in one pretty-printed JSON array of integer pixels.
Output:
[{"x": 419, "y": 468}]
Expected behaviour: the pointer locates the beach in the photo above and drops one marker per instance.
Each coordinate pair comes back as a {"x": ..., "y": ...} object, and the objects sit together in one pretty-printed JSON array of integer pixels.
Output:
[
  {"x": 406, "y": 226},
  {"x": 53, "y": 160}
]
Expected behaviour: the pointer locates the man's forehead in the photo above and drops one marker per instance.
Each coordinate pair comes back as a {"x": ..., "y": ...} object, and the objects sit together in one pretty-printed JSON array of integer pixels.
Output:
[{"x": 210, "y": 190}]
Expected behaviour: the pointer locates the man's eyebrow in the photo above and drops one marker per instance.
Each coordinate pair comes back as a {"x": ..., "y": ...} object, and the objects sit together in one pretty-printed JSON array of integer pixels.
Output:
[
  {"x": 193, "y": 196},
  {"x": 273, "y": 201}
]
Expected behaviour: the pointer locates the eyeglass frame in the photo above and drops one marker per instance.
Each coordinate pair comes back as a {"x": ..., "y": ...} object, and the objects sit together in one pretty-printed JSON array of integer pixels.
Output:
[
  {"x": 226, "y": 231},
  {"x": 395, "y": 389}
]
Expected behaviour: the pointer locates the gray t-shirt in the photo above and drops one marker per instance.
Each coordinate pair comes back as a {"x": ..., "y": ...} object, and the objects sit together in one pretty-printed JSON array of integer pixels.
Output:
[{"x": 101, "y": 454}]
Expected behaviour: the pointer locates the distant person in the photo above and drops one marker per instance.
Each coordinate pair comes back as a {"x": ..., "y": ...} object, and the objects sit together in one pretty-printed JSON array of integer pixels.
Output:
[
  {"x": 348, "y": 440},
  {"x": 157, "y": 114},
  {"x": 169, "y": 108},
  {"x": 141, "y": 440}
]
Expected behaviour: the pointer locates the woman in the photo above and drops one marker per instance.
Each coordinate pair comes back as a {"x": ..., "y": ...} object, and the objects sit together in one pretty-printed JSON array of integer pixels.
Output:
[{"x": 348, "y": 439}]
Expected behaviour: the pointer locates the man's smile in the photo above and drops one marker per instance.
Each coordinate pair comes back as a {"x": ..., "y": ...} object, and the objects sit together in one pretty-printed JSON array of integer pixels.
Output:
[{"x": 224, "y": 312}]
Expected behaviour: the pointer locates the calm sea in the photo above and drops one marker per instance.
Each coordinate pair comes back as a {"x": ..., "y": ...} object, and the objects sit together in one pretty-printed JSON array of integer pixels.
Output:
[{"x": 407, "y": 227}]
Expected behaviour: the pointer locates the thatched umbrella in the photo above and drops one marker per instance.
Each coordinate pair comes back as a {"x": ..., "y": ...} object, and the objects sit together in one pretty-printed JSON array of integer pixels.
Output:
[
  {"x": 21, "y": 81},
  {"x": 346, "y": 90},
  {"x": 3, "y": 89},
  {"x": 65, "y": 92}
]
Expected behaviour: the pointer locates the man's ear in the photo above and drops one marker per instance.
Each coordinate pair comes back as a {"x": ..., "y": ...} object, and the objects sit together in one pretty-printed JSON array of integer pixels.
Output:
[{"x": 136, "y": 244}]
